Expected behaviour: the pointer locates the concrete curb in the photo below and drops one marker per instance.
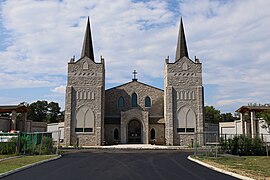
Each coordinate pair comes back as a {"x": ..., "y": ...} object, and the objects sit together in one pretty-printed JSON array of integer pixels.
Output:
[
  {"x": 28, "y": 166},
  {"x": 131, "y": 147},
  {"x": 220, "y": 170}
]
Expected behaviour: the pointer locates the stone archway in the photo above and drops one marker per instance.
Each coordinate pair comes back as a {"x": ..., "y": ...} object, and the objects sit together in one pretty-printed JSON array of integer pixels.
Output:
[
  {"x": 134, "y": 132},
  {"x": 137, "y": 115}
]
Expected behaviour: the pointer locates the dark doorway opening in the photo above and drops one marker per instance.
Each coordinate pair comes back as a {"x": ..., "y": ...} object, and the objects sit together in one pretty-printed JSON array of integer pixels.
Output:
[
  {"x": 134, "y": 132},
  {"x": 153, "y": 134},
  {"x": 116, "y": 134}
]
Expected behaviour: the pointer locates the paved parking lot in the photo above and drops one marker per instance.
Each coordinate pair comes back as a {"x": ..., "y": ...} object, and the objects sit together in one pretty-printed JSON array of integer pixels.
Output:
[{"x": 120, "y": 164}]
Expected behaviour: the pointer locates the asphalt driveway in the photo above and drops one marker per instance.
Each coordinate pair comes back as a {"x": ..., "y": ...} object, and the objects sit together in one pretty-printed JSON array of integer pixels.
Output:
[{"x": 120, "y": 164}]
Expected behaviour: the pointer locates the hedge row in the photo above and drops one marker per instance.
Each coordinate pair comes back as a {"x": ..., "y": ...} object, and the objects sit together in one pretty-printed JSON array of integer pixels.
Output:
[{"x": 244, "y": 146}]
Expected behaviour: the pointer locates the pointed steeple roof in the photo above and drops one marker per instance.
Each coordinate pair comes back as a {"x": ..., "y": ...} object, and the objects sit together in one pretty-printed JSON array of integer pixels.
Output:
[
  {"x": 181, "y": 49},
  {"x": 87, "y": 49}
]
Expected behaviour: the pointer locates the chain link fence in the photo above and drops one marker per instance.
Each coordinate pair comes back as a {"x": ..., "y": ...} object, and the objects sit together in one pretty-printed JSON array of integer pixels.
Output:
[
  {"x": 26, "y": 143},
  {"x": 235, "y": 144}
]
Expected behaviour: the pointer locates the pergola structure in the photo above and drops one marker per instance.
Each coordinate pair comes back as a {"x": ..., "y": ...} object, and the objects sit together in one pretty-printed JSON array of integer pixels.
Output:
[
  {"x": 250, "y": 126},
  {"x": 14, "y": 109}
]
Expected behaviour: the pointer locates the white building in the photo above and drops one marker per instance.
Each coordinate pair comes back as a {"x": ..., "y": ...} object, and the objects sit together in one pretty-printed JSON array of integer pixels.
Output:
[
  {"x": 57, "y": 130},
  {"x": 248, "y": 124}
]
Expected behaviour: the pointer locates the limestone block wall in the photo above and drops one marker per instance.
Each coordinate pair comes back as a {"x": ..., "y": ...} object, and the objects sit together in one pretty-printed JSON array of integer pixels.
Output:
[
  {"x": 85, "y": 88},
  {"x": 127, "y": 113},
  {"x": 109, "y": 133},
  {"x": 126, "y": 91},
  {"x": 183, "y": 89},
  {"x": 160, "y": 133},
  {"x": 187, "y": 140}
]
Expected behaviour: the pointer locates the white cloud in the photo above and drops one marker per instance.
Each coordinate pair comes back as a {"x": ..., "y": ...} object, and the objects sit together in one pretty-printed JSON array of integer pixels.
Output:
[
  {"x": 60, "y": 89},
  {"x": 230, "y": 38},
  {"x": 232, "y": 42},
  {"x": 44, "y": 36},
  {"x": 10, "y": 81}
]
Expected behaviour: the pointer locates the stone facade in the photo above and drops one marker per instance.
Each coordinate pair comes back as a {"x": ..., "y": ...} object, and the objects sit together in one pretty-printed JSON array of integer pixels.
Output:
[
  {"x": 134, "y": 112},
  {"x": 120, "y": 116},
  {"x": 85, "y": 90},
  {"x": 183, "y": 99}
]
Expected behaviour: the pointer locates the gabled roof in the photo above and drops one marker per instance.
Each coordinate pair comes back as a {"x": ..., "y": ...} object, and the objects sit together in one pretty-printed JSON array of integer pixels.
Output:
[
  {"x": 185, "y": 58},
  {"x": 135, "y": 82},
  {"x": 77, "y": 61}
]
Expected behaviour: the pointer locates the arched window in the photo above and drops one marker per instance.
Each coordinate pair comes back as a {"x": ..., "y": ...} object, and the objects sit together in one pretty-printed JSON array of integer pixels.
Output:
[
  {"x": 85, "y": 120},
  {"x": 85, "y": 66},
  {"x": 147, "y": 101},
  {"x": 185, "y": 66},
  {"x": 134, "y": 102},
  {"x": 153, "y": 133},
  {"x": 116, "y": 134},
  {"x": 121, "y": 102},
  {"x": 186, "y": 120}
]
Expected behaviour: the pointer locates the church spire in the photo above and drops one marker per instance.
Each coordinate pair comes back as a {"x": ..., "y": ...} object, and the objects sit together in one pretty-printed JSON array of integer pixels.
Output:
[
  {"x": 87, "y": 49},
  {"x": 181, "y": 49}
]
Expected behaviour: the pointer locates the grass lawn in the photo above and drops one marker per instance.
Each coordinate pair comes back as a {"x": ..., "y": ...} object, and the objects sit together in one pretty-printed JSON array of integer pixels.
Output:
[
  {"x": 12, "y": 164},
  {"x": 257, "y": 167},
  {"x": 6, "y": 156}
]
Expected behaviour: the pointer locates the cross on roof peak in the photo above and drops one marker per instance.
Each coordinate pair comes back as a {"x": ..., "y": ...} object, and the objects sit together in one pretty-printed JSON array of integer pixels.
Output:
[{"x": 134, "y": 75}]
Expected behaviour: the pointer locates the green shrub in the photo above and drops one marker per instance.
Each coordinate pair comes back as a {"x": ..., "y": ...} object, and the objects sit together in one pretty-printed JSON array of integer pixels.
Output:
[
  {"x": 258, "y": 146},
  {"x": 224, "y": 145},
  {"x": 243, "y": 145},
  {"x": 9, "y": 147},
  {"x": 45, "y": 147}
]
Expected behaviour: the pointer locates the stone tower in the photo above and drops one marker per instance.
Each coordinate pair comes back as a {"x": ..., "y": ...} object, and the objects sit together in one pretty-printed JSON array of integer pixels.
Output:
[
  {"x": 183, "y": 97},
  {"x": 84, "y": 114}
]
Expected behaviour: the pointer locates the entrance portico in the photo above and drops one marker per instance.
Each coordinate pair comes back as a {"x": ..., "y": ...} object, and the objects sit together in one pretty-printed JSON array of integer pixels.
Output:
[
  {"x": 249, "y": 122},
  {"x": 134, "y": 126}
]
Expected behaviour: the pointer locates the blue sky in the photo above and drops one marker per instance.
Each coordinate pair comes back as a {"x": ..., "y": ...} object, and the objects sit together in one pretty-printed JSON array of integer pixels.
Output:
[{"x": 231, "y": 39}]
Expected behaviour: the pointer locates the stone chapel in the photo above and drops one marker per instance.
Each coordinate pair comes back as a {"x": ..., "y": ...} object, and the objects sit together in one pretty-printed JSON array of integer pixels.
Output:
[{"x": 134, "y": 112}]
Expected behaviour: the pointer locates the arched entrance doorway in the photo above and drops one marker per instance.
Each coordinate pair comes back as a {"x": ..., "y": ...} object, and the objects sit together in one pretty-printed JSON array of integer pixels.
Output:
[{"x": 134, "y": 132}]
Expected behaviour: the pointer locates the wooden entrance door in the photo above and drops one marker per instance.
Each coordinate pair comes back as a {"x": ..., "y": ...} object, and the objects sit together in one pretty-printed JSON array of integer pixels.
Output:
[{"x": 134, "y": 132}]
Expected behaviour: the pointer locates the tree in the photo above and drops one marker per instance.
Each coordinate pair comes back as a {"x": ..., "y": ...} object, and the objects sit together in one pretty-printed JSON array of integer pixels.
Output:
[
  {"x": 265, "y": 115},
  {"x": 61, "y": 117},
  {"x": 227, "y": 117},
  {"x": 53, "y": 112},
  {"x": 42, "y": 111},
  {"x": 212, "y": 115},
  {"x": 38, "y": 111}
]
